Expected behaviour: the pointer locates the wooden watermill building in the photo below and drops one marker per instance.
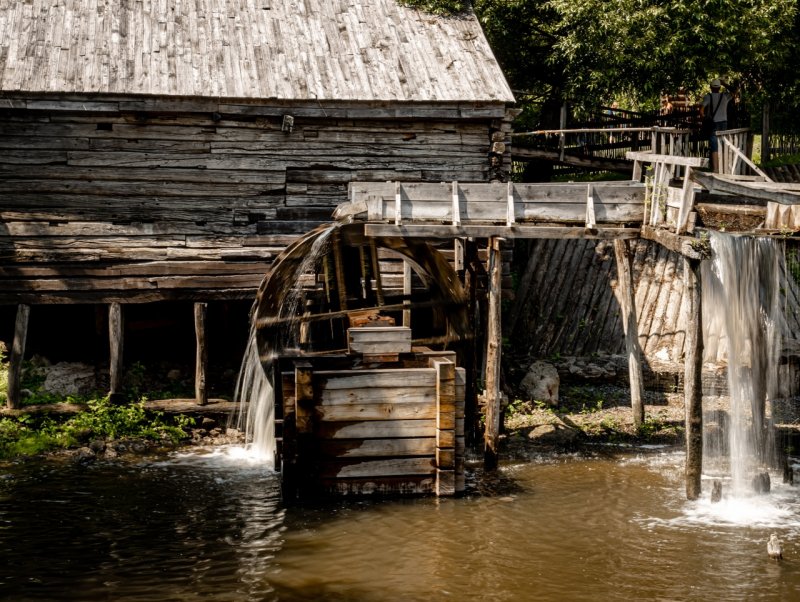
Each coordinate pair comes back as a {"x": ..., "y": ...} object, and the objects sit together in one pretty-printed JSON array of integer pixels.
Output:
[{"x": 167, "y": 151}]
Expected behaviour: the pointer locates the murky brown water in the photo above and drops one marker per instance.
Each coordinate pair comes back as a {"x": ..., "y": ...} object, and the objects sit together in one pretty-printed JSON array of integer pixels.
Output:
[{"x": 212, "y": 528}]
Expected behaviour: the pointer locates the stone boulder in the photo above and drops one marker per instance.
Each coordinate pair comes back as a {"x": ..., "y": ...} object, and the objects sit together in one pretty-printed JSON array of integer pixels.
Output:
[
  {"x": 69, "y": 378},
  {"x": 557, "y": 435},
  {"x": 541, "y": 383}
]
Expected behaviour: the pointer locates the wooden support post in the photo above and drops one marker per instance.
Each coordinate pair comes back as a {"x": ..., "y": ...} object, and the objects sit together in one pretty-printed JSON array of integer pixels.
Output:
[
  {"x": 460, "y": 449},
  {"x": 341, "y": 285},
  {"x": 376, "y": 269},
  {"x": 687, "y": 201},
  {"x": 445, "y": 426},
  {"x": 591, "y": 220},
  {"x": 492, "y": 393},
  {"x": 398, "y": 203},
  {"x": 692, "y": 387},
  {"x": 304, "y": 428},
  {"x": 16, "y": 356},
  {"x": 456, "y": 209},
  {"x": 201, "y": 357},
  {"x": 626, "y": 300},
  {"x": 115, "y": 339},
  {"x": 407, "y": 293}
]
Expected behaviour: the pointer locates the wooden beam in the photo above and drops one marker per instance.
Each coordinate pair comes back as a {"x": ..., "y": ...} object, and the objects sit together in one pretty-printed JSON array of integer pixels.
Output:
[
  {"x": 667, "y": 159},
  {"x": 406, "y": 293},
  {"x": 16, "y": 356},
  {"x": 688, "y": 246},
  {"x": 626, "y": 299},
  {"x": 693, "y": 390},
  {"x": 786, "y": 194},
  {"x": 115, "y": 339},
  {"x": 201, "y": 357},
  {"x": 492, "y": 393},
  {"x": 518, "y": 231}
]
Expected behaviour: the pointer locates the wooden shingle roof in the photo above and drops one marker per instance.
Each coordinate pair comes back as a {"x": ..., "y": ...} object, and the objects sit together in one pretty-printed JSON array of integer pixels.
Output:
[{"x": 361, "y": 50}]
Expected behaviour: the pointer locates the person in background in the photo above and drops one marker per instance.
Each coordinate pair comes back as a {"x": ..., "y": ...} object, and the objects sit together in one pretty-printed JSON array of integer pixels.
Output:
[{"x": 715, "y": 105}]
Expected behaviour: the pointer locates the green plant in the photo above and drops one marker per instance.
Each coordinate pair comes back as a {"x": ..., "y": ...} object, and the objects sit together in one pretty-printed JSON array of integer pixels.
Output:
[{"x": 29, "y": 434}]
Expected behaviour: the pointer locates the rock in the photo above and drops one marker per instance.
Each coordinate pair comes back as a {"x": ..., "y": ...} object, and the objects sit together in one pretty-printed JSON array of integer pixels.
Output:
[
  {"x": 208, "y": 423},
  {"x": 110, "y": 453},
  {"x": 84, "y": 455},
  {"x": 97, "y": 446},
  {"x": 716, "y": 491},
  {"x": 553, "y": 434},
  {"x": 761, "y": 482},
  {"x": 174, "y": 374},
  {"x": 69, "y": 378},
  {"x": 541, "y": 383}
]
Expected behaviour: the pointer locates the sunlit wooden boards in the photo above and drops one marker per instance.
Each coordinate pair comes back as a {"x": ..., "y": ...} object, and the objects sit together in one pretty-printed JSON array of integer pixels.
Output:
[{"x": 383, "y": 430}]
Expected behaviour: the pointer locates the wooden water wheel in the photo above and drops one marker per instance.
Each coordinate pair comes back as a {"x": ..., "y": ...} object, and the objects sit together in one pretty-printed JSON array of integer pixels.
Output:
[{"x": 334, "y": 276}]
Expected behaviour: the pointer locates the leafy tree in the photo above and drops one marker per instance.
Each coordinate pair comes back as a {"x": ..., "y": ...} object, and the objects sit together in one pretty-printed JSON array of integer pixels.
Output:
[{"x": 592, "y": 51}]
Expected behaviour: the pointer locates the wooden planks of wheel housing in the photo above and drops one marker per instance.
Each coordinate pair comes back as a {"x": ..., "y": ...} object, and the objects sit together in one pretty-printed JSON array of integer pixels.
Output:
[{"x": 393, "y": 429}]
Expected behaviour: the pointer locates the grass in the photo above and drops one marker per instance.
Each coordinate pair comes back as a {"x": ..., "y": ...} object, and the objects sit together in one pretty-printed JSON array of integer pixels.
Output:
[
  {"x": 30, "y": 434},
  {"x": 35, "y": 433}
]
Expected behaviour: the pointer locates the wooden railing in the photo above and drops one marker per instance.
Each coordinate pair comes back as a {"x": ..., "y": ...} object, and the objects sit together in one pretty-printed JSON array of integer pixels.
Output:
[
  {"x": 734, "y": 153},
  {"x": 665, "y": 204},
  {"x": 602, "y": 145}
]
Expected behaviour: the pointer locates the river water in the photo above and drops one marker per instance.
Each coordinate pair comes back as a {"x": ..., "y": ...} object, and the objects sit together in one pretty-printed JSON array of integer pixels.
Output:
[{"x": 209, "y": 525}]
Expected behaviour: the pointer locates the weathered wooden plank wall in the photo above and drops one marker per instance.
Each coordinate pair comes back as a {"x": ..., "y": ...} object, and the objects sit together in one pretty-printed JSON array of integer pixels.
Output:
[
  {"x": 571, "y": 309},
  {"x": 114, "y": 204}
]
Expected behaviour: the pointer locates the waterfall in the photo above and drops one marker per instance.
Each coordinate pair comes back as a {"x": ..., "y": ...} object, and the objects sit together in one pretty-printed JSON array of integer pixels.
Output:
[
  {"x": 256, "y": 397},
  {"x": 743, "y": 324},
  {"x": 255, "y": 392}
]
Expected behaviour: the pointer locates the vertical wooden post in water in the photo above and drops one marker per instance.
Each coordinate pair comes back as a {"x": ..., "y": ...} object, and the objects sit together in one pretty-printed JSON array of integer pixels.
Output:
[
  {"x": 625, "y": 297},
  {"x": 304, "y": 476},
  {"x": 493, "y": 348},
  {"x": 201, "y": 357},
  {"x": 115, "y": 331},
  {"x": 693, "y": 390},
  {"x": 445, "y": 427},
  {"x": 17, "y": 355}
]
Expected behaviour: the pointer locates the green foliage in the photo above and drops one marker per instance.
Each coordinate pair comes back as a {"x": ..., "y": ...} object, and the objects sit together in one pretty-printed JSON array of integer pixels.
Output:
[
  {"x": 655, "y": 426},
  {"x": 28, "y": 434}
]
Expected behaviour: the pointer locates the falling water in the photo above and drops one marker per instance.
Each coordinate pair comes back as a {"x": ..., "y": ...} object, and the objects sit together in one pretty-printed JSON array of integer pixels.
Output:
[
  {"x": 255, "y": 392},
  {"x": 742, "y": 322}
]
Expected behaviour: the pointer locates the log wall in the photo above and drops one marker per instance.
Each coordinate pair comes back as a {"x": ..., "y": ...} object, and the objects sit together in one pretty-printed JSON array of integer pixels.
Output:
[{"x": 136, "y": 200}]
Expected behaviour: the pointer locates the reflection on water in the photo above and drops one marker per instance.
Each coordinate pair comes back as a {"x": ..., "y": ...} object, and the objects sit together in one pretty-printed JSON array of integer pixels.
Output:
[{"x": 210, "y": 526}]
